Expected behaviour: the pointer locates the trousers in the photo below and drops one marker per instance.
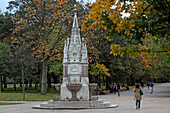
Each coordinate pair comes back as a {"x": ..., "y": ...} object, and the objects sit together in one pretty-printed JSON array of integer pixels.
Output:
[{"x": 137, "y": 103}]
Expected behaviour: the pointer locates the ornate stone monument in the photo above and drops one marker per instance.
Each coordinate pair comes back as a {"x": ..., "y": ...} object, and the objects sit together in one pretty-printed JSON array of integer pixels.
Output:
[
  {"x": 75, "y": 84},
  {"x": 75, "y": 90}
]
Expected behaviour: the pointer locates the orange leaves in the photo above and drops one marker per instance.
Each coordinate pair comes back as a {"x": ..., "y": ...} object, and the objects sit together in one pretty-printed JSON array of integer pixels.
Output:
[
  {"x": 145, "y": 62},
  {"x": 61, "y": 1},
  {"x": 88, "y": 4},
  {"x": 93, "y": 25},
  {"x": 102, "y": 69},
  {"x": 114, "y": 9},
  {"x": 38, "y": 25},
  {"x": 116, "y": 49}
]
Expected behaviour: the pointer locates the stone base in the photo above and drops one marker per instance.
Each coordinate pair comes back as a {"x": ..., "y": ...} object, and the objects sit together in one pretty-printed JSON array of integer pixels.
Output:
[{"x": 96, "y": 104}]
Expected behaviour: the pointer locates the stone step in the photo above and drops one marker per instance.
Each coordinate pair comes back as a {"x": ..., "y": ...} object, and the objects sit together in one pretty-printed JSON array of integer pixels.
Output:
[
  {"x": 106, "y": 104},
  {"x": 100, "y": 100},
  {"x": 99, "y": 104},
  {"x": 51, "y": 102},
  {"x": 113, "y": 106}
]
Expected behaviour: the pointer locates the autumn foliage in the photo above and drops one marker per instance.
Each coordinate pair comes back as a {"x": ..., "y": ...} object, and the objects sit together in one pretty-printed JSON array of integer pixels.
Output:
[
  {"x": 134, "y": 20},
  {"x": 41, "y": 25}
]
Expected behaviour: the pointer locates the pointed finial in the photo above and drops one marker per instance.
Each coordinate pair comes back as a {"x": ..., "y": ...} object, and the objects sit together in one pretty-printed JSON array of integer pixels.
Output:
[
  {"x": 75, "y": 8},
  {"x": 83, "y": 39},
  {"x": 65, "y": 48}
]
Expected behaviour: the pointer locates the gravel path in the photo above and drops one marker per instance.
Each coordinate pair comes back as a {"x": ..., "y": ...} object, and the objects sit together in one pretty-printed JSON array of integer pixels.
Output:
[{"x": 158, "y": 102}]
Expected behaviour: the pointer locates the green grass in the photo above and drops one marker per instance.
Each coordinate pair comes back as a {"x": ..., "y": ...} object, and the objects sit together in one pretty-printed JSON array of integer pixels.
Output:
[
  {"x": 30, "y": 95},
  {"x": 10, "y": 103}
]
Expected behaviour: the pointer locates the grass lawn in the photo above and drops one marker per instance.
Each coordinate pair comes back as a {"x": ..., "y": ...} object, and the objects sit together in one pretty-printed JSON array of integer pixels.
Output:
[
  {"x": 30, "y": 95},
  {"x": 9, "y": 103}
]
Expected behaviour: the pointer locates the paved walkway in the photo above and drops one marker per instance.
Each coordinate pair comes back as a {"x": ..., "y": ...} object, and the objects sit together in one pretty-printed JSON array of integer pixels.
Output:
[{"x": 158, "y": 102}]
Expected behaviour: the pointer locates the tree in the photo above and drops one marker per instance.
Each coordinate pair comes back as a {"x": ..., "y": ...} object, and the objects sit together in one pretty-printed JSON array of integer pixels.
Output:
[
  {"x": 144, "y": 23},
  {"x": 145, "y": 20},
  {"x": 36, "y": 20},
  {"x": 4, "y": 61},
  {"x": 5, "y": 26},
  {"x": 57, "y": 68}
]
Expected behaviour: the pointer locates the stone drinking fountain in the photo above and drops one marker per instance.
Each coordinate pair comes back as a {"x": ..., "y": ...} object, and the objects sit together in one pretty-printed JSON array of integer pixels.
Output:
[{"x": 75, "y": 90}]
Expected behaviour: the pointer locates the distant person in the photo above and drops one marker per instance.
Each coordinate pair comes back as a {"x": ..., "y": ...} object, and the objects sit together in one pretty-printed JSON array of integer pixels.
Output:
[
  {"x": 148, "y": 84},
  {"x": 96, "y": 90},
  {"x": 151, "y": 87},
  {"x": 114, "y": 87},
  {"x": 118, "y": 88},
  {"x": 127, "y": 87},
  {"x": 142, "y": 84},
  {"x": 137, "y": 95}
]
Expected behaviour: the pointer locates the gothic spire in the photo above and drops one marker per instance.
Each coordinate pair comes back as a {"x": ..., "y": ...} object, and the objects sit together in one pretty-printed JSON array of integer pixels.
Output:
[
  {"x": 75, "y": 34},
  {"x": 75, "y": 21}
]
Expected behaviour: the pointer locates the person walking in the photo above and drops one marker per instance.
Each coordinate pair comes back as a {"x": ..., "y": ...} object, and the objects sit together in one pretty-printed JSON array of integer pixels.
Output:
[
  {"x": 137, "y": 95},
  {"x": 148, "y": 85},
  {"x": 142, "y": 84},
  {"x": 118, "y": 88},
  {"x": 151, "y": 87},
  {"x": 114, "y": 88}
]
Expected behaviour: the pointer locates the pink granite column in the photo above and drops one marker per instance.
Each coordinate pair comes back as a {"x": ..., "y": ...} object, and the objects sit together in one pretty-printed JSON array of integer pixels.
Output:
[
  {"x": 82, "y": 71},
  {"x": 65, "y": 70},
  {"x": 85, "y": 71}
]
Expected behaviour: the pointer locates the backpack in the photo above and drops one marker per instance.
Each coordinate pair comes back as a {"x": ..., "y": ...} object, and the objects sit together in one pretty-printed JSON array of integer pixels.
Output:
[
  {"x": 118, "y": 86},
  {"x": 141, "y": 92}
]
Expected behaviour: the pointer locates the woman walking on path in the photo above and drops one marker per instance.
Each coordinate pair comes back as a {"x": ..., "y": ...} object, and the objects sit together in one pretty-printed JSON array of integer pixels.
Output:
[{"x": 137, "y": 94}]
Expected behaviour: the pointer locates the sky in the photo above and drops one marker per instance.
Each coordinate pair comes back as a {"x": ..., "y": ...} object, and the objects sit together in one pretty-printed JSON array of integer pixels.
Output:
[{"x": 4, "y": 4}]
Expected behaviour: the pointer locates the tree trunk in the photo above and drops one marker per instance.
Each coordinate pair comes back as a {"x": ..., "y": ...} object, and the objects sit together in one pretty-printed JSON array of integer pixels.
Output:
[
  {"x": 26, "y": 84},
  {"x": 99, "y": 83},
  {"x": 110, "y": 81},
  {"x": 49, "y": 81},
  {"x": 103, "y": 80},
  {"x": 30, "y": 83},
  {"x": 131, "y": 79},
  {"x": 44, "y": 78},
  {"x": 5, "y": 84},
  {"x": 55, "y": 79},
  {"x": 20, "y": 83},
  {"x": 40, "y": 73},
  {"x": 36, "y": 85},
  {"x": 0, "y": 83},
  {"x": 39, "y": 88},
  {"x": 15, "y": 86},
  {"x": 23, "y": 81},
  {"x": 107, "y": 83}
]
